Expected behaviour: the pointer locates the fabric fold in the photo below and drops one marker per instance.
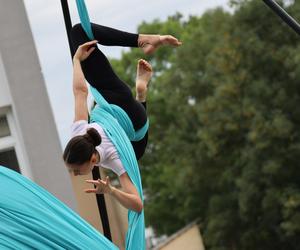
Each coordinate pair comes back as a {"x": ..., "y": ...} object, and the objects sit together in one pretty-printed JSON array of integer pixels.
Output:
[{"x": 32, "y": 218}]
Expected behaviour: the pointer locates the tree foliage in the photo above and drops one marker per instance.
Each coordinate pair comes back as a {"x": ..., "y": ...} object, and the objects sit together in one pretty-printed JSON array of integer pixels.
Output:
[{"x": 224, "y": 137}]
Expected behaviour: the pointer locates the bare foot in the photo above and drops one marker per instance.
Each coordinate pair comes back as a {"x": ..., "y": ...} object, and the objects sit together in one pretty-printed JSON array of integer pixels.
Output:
[
  {"x": 150, "y": 43},
  {"x": 144, "y": 74}
]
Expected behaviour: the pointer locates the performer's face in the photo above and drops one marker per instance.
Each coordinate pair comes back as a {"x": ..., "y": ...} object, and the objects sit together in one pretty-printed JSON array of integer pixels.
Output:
[
  {"x": 80, "y": 169},
  {"x": 84, "y": 168}
]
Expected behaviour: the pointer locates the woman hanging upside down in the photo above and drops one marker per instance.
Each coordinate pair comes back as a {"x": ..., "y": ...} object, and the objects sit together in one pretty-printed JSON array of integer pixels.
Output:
[{"x": 92, "y": 143}]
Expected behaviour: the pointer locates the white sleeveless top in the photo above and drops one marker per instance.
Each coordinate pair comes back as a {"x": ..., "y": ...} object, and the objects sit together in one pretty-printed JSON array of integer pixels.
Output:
[{"x": 109, "y": 157}]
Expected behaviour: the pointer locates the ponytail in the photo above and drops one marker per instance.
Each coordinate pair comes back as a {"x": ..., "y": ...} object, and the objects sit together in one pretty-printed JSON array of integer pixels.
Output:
[{"x": 80, "y": 148}]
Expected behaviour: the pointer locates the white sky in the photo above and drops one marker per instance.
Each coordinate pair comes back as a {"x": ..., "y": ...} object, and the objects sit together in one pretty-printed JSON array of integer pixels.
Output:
[{"x": 46, "y": 20}]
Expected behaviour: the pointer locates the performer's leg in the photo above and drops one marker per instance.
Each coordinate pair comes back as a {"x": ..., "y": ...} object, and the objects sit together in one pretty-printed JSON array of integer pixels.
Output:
[
  {"x": 144, "y": 74},
  {"x": 140, "y": 146},
  {"x": 148, "y": 43},
  {"x": 99, "y": 73}
]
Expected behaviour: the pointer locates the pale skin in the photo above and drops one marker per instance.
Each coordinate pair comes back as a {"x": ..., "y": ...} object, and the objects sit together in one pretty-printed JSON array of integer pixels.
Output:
[
  {"x": 149, "y": 43},
  {"x": 128, "y": 196}
]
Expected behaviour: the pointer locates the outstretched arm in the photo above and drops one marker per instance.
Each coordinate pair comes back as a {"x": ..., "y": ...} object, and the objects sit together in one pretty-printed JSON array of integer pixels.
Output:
[
  {"x": 129, "y": 198},
  {"x": 80, "y": 89}
]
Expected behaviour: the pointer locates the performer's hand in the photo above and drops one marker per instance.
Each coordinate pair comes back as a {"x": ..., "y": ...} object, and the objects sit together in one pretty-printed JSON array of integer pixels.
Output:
[
  {"x": 85, "y": 50},
  {"x": 102, "y": 187}
]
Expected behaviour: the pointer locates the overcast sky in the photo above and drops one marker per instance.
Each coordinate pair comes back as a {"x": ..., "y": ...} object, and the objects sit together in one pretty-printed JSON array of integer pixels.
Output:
[{"x": 46, "y": 20}]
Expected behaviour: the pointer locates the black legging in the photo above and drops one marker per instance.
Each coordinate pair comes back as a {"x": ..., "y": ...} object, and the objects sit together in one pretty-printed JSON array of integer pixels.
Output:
[{"x": 99, "y": 73}]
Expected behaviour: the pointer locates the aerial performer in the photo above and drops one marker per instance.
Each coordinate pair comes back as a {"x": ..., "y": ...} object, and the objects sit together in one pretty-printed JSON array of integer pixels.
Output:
[{"x": 115, "y": 135}]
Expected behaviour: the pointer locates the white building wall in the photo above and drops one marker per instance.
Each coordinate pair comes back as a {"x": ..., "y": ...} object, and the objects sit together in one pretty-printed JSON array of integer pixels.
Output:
[
  {"x": 22, "y": 89},
  {"x": 5, "y": 99}
]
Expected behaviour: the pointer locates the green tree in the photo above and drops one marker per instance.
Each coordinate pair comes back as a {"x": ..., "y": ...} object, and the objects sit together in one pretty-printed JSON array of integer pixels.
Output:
[{"x": 224, "y": 136}]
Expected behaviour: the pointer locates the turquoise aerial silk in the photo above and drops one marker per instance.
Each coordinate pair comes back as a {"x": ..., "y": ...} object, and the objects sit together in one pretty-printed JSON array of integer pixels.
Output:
[
  {"x": 103, "y": 114},
  {"x": 85, "y": 19},
  {"x": 122, "y": 117},
  {"x": 32, "y": 218}
]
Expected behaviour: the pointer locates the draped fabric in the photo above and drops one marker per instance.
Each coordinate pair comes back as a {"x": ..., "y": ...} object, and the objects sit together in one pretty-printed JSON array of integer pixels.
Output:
[
  {"x": 101, "y": 114},
  {"x": 122, "y": 117},
  {"x": 32, "y": 218}
]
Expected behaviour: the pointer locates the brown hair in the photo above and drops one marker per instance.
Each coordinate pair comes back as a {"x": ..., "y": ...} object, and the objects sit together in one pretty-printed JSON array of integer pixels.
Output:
[{"x": 81, "y": 148}]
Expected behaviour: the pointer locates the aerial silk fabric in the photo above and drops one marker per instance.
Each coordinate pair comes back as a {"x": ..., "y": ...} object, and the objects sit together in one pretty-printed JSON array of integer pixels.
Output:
[
  {"x": 122, "y": 117},
  {"x": 103, "y": 114},
  {"x": 84, "y": 18},
  {"x": 32, "y": 218}
]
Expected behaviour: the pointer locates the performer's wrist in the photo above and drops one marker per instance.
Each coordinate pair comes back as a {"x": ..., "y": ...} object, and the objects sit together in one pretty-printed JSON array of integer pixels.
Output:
[
  {"x": 75, "y": 59},
  {"x": 112, "y": 190}
]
